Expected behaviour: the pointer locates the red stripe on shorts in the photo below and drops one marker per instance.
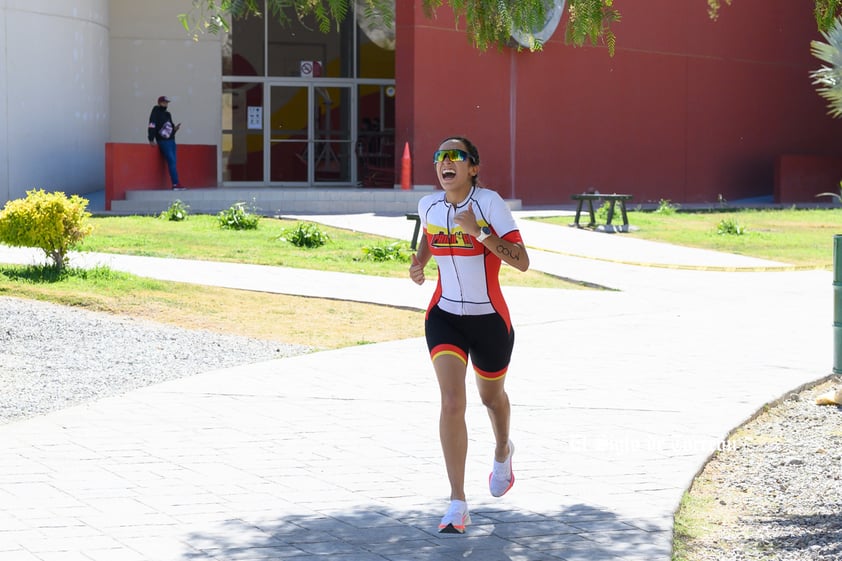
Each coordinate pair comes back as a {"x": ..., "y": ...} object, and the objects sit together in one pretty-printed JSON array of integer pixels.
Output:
[
  {"x": 446, "y": 349},
  {"x": 491, "y": 375}
]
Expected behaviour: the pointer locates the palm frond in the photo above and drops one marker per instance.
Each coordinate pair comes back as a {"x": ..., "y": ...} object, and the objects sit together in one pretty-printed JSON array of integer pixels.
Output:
[{"x": 828, "y": 78}]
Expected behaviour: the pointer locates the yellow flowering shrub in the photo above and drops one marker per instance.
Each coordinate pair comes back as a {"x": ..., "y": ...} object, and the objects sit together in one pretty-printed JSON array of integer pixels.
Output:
[{"x": 49, "y": 221}]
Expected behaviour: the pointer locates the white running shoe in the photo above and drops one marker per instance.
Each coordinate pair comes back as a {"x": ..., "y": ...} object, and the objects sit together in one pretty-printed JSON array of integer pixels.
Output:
[
  {"x": 501, "y": 478},
  {"x": 456, "y": 519}
]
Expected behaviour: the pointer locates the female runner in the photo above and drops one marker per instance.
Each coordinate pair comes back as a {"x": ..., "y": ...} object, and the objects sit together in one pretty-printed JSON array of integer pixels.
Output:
[{"x": 469, "y": 230}]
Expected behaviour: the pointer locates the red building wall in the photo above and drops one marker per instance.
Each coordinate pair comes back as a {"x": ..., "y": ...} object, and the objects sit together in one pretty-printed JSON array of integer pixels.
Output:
[
  {"x": 687, "y": 110},
  {"x": 130, "y": 166}
]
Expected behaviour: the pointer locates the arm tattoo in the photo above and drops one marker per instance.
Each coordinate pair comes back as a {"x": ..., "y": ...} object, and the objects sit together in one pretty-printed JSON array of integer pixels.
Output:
[{"x": 503, "y": 250}]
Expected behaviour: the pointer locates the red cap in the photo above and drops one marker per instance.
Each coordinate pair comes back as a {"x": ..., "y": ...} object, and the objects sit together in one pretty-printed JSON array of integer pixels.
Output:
[{"x": 163, "y": 98}]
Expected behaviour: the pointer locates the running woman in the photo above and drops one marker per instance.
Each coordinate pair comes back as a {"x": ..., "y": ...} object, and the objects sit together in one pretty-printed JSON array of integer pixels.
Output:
[{"x": 469, "y": 230}]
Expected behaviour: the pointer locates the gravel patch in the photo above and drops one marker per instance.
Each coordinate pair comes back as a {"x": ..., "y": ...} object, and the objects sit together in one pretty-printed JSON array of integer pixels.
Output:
[
  {"x": 775, "y": 490},
  {"x": 53, "y": 356}
]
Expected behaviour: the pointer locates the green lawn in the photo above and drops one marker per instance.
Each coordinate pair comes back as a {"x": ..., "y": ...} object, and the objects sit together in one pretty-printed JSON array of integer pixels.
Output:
[
  {"x": 314, "y": 322},
  {"x": 796, "y": 237},
  {"x": 199, "y": 237}
]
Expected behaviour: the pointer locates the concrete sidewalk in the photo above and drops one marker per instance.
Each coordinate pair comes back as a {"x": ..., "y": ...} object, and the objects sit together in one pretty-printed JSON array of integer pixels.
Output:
[{"x": 618, "y": 398}]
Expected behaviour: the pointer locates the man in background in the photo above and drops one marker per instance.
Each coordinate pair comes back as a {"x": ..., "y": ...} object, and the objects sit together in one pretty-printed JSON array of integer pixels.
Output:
[{"x": 162, "y": 130}]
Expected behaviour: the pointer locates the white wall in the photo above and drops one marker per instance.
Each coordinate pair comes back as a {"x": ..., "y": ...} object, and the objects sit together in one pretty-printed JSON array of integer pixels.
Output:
[
  {"x": 53, "y": 95},
  {"x": 153, "y": 55},
  {"x": 75, "y": 74},
  {"x": 4, "y": 118}
]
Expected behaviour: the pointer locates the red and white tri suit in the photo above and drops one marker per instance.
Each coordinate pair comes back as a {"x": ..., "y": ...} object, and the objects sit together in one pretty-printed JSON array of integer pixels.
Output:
[{"x": 468, "y": 283}]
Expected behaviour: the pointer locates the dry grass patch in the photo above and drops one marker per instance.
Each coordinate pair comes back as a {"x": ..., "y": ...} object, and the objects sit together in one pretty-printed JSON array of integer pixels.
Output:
[{"x": 314, "y": 322}]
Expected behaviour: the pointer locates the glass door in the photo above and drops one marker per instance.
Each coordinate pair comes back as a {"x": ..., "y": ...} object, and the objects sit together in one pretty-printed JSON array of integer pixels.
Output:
[
  {"x": 242, "y": 132},
  {"x": 289, "y": 136},
  {"x": 376, "y": 137},
  {"x": 310, "y": 134},
  {"x": 332, "y": 134}
]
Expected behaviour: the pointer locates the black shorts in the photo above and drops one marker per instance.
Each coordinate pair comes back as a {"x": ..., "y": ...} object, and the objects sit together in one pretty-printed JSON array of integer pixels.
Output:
[{"x": 485, "y": 338}]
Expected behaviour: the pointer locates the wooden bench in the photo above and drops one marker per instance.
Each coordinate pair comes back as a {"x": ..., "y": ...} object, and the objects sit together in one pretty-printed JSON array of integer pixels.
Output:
[
  {"x": 414, "y": 216},
  {"x": 612, "y": 199}
]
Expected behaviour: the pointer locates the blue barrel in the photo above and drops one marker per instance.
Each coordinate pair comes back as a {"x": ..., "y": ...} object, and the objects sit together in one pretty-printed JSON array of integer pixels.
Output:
[{"x": 837, "y": 304}]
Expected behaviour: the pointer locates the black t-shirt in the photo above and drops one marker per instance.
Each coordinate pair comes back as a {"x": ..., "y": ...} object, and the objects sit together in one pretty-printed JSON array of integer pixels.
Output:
[{"x": 160, "y": 126}]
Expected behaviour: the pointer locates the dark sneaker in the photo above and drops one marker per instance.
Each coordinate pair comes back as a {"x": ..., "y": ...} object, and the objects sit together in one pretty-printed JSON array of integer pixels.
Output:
[{"x": 456, "y": 519}]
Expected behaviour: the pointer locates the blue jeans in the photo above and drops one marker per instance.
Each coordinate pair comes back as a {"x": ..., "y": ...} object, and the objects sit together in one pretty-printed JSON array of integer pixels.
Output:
[{"x": 167, "y": 148}]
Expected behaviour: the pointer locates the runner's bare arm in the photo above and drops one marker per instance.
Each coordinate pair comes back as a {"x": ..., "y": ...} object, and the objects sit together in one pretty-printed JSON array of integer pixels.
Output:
[
  {"x": 509, "y": 252},
  {"x": 419, "y": 261}
]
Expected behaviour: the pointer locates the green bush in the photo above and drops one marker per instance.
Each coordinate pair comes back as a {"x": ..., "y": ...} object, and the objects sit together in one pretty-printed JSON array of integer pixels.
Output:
[
  {"x": 237, "y": 217},
  {"x": 307, "y": 235},
  {"x": 601, "y": 214},
  {"x": 177, "y": 212},
  {"x": 666, "y": 207},
  {"x": 731, "y": 227},
  {"x": 394, "y": 251},
  {"x": 45, "y": 274},
  {"x": 49, "y": 221}
]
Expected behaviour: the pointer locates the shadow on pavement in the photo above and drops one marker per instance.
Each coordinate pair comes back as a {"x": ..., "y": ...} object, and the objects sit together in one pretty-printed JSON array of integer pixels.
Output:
[{"x": 576, "y": 533}]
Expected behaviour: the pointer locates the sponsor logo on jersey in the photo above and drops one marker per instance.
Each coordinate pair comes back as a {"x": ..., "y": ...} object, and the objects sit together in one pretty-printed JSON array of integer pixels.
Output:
[{"x": 440, "y": 237}]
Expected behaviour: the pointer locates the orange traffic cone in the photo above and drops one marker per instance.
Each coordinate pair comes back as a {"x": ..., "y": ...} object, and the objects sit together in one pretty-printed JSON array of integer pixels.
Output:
[{"x": 406, "y": 169}]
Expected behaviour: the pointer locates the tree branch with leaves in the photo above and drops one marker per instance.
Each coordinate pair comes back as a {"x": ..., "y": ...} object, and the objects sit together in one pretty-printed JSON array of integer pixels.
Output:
[{"x": 487, "y": 22}]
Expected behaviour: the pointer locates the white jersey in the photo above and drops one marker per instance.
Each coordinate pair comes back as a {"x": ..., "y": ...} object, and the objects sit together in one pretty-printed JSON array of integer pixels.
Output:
[{"x": 467, "y": 282}]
